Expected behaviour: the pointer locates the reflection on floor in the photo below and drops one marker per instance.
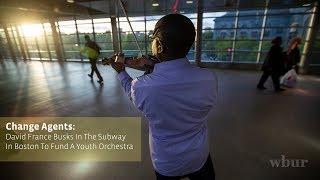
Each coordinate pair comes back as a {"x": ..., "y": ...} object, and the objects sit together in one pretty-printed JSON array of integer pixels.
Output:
[{"x": 248, "y": 128}]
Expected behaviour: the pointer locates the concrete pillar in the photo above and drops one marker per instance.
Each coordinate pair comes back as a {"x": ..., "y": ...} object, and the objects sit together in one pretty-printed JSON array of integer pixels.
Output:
[
  {"x": 198, "y": 44},
  {"x": 56, "y": 39},
  {"x": 10, "y": 45}
]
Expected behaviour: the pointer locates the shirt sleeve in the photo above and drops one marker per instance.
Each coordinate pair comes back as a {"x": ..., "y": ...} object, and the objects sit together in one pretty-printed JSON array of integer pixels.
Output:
[
  {"x": 130, "y": 87},
  {"x": 126, "y": 82}
]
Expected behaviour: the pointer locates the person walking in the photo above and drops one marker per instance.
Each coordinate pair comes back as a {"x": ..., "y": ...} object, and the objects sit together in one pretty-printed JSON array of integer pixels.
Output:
[
  {"x": 93, "y": 52},
  {"x": 293, "y": 54},
  {"x": 273, "y": 65}
]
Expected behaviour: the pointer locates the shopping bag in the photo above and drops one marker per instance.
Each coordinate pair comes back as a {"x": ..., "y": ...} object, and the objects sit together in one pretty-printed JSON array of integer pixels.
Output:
[
  {"x": 89, "y": 52},
  {"x": 289, "y": 79}
]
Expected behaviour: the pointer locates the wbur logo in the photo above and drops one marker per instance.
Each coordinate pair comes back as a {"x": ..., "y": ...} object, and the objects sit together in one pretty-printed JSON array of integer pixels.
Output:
[{"x": 288, "y": 163}]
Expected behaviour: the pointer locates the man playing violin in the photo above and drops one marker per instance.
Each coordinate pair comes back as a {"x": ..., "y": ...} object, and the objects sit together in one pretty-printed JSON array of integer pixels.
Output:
[{"x": 175, "y": 99}]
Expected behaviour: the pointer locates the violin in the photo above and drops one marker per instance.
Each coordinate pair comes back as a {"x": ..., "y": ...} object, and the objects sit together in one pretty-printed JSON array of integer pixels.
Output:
[{"x": 143, "y": 63}]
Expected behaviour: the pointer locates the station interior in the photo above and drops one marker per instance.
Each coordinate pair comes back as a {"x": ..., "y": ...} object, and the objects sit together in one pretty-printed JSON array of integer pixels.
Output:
[{"x": 44, "y": 74}]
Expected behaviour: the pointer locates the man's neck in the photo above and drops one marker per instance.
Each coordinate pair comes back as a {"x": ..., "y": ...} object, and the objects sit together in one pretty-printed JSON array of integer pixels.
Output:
[{"x": 169, "y": 58}]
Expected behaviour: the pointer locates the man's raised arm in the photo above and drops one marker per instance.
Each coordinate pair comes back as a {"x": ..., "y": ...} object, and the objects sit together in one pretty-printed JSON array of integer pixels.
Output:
[
  {"x": 126, "y": 82},
  {"x": 129, "y": 85}
]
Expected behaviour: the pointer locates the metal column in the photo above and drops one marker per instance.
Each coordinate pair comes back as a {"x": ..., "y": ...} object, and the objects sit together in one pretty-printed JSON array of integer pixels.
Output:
[
  {"x": 46, "y": 41},
  {"x": 78, "y": 37},
  {"x": 56, "y": 40},
  {"x": 93, "y": 31},
  {"x": 234, "y": 39},
  {"x": 12, "y": 53},
  {"x": 199, "y": 33},
  {"x": 115, "y": 37},
  {"x": 26, "y": 45},
  {"x": 22, "y": 47},
  {"x": 16, "y": 48},
  {"x": 2, "y": 50},
  {"x": 61, "y": 43},
  {"x": 310, "y": 36},
  {"x": 38, "y": 47},
  {"x": 146, "y": 42},
  {"x": 262, "y": 30}
]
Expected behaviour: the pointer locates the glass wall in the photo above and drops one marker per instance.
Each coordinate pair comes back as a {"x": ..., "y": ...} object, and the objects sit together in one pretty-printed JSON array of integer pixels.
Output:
[
  {"x": 14, "y": 40},
  {"x": 72, "y": 34},
  {"x": 69, "y": 39},
  {"x": 218, "y": 34},
  {"x": 4, "y": 48},
  {"x": 239, "y": 36},
  {"x": 143, "y": 28},
  {"x": 287, "y": 23},
  {"x": 103, "y": 35},
  {"x": 249, "y": 29},
  {"x": 48, "y": 38},
  {"x": 37, "y": 41},
  {"x": 128, "y": 44},
  {"x": 315, "y": 47}
]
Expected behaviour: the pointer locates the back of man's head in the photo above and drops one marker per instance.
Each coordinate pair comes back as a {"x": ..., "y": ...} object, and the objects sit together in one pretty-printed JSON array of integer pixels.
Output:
[
  {"x": 277, "y": 41},
  {"x": 87, "y": 37},
  {"x": 177, "y": 33}
]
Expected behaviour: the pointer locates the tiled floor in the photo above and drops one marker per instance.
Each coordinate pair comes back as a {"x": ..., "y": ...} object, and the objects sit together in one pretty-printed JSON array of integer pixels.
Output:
[{"x": 248, "y": 128}]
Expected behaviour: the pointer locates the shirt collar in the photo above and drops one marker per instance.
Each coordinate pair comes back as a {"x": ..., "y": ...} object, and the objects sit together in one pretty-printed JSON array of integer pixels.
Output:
[{"x": 176, "y": 63}]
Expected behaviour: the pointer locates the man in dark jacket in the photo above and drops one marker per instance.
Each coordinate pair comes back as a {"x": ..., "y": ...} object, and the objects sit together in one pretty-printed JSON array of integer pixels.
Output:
[
  {"x": 273, "y": 65},
  {"x": 93, "y": 46}
]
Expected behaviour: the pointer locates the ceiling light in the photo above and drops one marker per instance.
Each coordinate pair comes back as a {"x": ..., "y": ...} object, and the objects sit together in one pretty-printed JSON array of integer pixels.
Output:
[
  {"x": 305, "y": 5},
  {"x": 189, "y": 2},
  {"x": 70, "y": 1},
  {"x": 56, "y": 9},
  {"x": 155, "y": 4},
  {"x": 23, "y": 9}
]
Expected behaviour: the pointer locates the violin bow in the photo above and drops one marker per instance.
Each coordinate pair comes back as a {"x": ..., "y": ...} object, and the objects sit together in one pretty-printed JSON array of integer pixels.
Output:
[{"x": 126, "y": 14}]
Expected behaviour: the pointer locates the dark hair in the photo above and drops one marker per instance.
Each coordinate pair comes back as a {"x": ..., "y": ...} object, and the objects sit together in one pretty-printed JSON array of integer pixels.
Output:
[
  {"x": 277, "y": 40},
  {"x": 86, "y": 36},
  {"x": 177, "y": 33}
]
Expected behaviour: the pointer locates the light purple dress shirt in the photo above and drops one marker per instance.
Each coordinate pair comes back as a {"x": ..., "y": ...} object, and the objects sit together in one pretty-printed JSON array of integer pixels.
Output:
[{"x": 176, "y": 99}]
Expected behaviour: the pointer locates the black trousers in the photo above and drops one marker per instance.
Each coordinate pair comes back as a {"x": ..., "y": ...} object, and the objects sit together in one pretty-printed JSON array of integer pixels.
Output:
[
  {"x": 94, "y": 69},
  {"x": 275, "y": 79},
  {"x": 205, "y": 173}
]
